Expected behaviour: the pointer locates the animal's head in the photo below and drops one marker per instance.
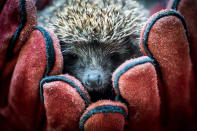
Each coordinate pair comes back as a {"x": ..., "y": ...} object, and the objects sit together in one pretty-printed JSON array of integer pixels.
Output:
[
  {"x": 93, "y": 63},
  {"x": 96, "y": 36}
]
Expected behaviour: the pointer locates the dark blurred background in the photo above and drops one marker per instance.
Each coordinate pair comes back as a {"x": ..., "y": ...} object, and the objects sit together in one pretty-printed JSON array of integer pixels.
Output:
[{"x": 152, "y": 5}]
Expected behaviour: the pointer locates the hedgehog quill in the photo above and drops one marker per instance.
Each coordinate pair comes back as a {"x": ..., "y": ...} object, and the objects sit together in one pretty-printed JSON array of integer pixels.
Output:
[{"x": 96, "y": 36}]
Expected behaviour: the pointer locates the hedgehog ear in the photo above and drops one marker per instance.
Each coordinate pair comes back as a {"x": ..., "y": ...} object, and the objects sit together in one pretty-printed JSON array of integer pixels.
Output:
[
  {"x": 135, "y": 51},
  {"x": 133, "y": 48},
  {"x": 64, "y": 47},
  {"x": 62, "y": 43}
]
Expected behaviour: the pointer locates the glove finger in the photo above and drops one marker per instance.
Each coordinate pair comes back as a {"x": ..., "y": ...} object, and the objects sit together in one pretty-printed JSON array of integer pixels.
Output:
[
  {"x": 188, "y": 9},
  {"x": 135, "y": 82},
  {"x": 165, "y": 39},
  {"x": 33, "y": 63},
  {"x": 65, "y": 100},
  {"x": 104, "y": 115},
  {"x": 17, "y": 18}
]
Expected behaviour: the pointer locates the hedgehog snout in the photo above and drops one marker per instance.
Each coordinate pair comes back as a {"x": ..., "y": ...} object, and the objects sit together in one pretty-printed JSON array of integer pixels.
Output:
[{"x": 93, "y": 80}]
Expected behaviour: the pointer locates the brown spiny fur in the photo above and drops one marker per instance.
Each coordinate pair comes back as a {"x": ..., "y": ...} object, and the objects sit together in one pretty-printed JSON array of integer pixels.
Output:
[{"x": 95, "y": 35}]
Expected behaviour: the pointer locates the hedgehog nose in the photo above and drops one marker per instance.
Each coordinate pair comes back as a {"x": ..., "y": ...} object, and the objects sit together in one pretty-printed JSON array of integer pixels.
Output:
[{"x": 93, "y": 80}]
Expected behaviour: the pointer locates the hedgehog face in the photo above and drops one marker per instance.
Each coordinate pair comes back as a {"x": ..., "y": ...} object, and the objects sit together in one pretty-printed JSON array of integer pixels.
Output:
[{"x": 93, "y": 63}]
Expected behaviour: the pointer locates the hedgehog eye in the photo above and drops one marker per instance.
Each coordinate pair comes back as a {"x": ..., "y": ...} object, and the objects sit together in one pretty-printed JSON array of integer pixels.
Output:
[
  {"x": 70, "y": 59},
  {"x": 115, "y": 57}
]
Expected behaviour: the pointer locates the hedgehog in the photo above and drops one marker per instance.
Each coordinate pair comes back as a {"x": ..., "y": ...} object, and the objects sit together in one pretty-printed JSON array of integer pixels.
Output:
[{"x": 96, "y": 36}]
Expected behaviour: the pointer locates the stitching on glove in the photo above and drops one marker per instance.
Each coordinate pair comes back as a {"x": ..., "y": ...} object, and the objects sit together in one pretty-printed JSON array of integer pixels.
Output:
[
  {"x": 125, "y": 69},
  {"x": 148, "y": 28},
  {"x": 22, "y": 22},
  {"x": 68, "y": 81},
  {"x": 175, "y": 4},
  {"x": 50, "y": 51},
  {"x": 2, "y": 5},
  {"x": 101, "y": 109}
]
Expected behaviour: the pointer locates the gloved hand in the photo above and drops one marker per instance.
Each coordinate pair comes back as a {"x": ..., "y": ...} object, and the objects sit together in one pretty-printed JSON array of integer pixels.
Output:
[
  {"x": 159, "y": 100},
  {"x": 152, "y": 93}
]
